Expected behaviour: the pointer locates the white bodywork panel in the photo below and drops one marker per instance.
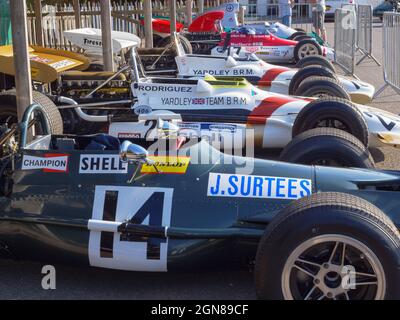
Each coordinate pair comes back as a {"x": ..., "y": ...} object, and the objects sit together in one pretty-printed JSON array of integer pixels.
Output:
[{"x": 90, "y": 40}]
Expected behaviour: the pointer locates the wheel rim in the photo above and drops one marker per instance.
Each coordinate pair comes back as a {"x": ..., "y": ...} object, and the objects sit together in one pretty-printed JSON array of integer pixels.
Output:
[
  {"x": 323, "y": 94},
  {"x": 323, "y": 276},
  {"x": 328, "y": 162},
  {"x": 331, "y": 123},
  {"x": 308, "y": 50}
]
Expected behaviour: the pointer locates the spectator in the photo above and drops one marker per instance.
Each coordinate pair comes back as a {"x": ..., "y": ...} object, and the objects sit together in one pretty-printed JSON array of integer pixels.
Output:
[
  {"x": 318, "y": 17},
  {"x": 285, "y": 12}
]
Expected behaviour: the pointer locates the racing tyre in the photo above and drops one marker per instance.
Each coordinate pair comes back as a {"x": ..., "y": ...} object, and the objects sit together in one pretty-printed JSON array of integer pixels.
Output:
[
  {"x": 333, "y": 113},
  {"x": 296, "y": 34},
  {"x": 316, "y": 61},
  {"x": 327, "y": 147},
  {"x": 329, "y": 246},
  {"x": 184, "y": 41},
  {"x": 8, "y": 110},
  {"x": 305, "y": 48},
  {"x": 310, "y": 71},
  {"x": 322, "y": 87},
  {"x": 156, "y": 40},
  {"x": 187, "y": 46}
]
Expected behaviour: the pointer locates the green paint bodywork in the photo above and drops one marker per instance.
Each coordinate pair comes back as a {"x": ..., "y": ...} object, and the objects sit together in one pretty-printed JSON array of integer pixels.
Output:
[
  {"x": 5, "y": 23},
  {"x": 45, "y": 216}
]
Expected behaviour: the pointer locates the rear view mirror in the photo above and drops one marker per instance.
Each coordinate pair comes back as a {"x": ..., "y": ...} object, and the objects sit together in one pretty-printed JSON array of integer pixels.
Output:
[
  {"x": 130, "y": 152},
  {"x": 230, "y": 62}
]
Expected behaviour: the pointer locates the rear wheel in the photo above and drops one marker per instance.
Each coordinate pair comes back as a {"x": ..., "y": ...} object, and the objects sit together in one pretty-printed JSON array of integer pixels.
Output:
[
  {"x": 332, "y": 113},
  {"x": 305, "y": 48},
  {"x": 184, "y": 41},
  {"x": 8, "y": 110},
  {"x": 316, "y": 61},
  {"x": 329, "y": 246},
  {"x": 327, "y": 147},
  {"x": 187, "y": 46},
  {"x": 320, "y": 87}
]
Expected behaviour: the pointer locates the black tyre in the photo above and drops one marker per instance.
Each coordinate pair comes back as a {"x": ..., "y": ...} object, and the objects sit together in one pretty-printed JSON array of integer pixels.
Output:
[
  {"x": 329, "y": 246},
  {"x": 302, "y": 37},
  {"x": 305, "y": 48},
  {"x": 297, "y": 33},
  {"x": 333, "y": 113},
  {"x": 95, "y": 67},
  {"x": 316, "y": 61},
  {"x": 322, "y": 87},
  {"x": 304, "y": 73},
  {"x": 184, "y": 41},
  {"x": 187, "y": 46},
  {"x": 8, "y": 110},
  {"x": 327, "y": 147},
  {"x": 156, "y": 40},
  {"x": 300, "y": 29}
]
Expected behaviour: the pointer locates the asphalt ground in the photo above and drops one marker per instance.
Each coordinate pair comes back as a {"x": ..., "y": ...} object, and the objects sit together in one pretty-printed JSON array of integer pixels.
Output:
[{"x": 22, "y": 280}]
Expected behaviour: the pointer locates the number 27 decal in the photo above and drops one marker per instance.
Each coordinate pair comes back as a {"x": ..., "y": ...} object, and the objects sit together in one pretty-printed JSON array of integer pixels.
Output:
[{"x": 114, "y": 205}]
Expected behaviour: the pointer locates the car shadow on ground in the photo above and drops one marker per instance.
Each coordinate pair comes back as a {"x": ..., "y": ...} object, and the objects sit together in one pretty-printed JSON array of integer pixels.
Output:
[{"x": 22, "y": 280}]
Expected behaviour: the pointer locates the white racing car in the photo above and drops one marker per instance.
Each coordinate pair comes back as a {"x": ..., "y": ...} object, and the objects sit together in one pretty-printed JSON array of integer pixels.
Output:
[
  {"x": 271, "y": 48},
  {"x": 230, "y": 21},
  {"x": 315, "y": 76},
  {"x": 220, "y": 107}
]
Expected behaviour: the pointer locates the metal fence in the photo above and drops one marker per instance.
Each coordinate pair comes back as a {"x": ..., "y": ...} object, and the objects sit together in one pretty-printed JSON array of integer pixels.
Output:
[
  {"x": 125, "y": 17},
  {"x": 391, "y": 52},
  {"x": 301, "y": 14},
  {"x": 56, "y": 19},
  {"x": 345, "y": 39},
  {"x": 364, "y": 32}
]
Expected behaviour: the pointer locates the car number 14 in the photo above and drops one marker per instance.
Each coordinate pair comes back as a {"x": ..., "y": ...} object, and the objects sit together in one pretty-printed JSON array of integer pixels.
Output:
[{"x": 139, "y": 205}]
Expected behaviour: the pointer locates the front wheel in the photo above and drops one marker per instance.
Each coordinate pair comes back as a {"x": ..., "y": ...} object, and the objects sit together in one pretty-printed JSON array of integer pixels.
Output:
[
  {"x": 332, "y": 113},
  {"x": 320, "y": 87},
  {"x": 305, "y": 48},
  {"x": 306, "y": 72},
  {"x": 315, "y": 61},
  {"x": 329, "y": 246},
  {"x": 327, "y": 147}
]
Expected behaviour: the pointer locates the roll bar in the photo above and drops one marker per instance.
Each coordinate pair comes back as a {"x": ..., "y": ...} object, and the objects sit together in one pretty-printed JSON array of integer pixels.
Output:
[{"x": 25, "y": 122}]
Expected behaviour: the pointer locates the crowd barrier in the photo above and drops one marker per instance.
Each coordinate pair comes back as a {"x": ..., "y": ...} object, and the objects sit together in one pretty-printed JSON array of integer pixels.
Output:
[
  {"x": 391, "y": 52},
  {"x": 364, "y": 32},
  {"x": 345, "y": 39}
]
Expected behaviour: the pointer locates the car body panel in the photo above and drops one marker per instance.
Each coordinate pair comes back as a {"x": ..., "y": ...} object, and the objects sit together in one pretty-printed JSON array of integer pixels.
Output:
[
  {"x": 212, "y": 213},
  {"x": 52, "y": 209},
  {"x": 219, "y": 100},
  {"x": 266, "y": 46},
  {"x": 260, "y": 73},
  {"x": 46, "y": 63}
]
